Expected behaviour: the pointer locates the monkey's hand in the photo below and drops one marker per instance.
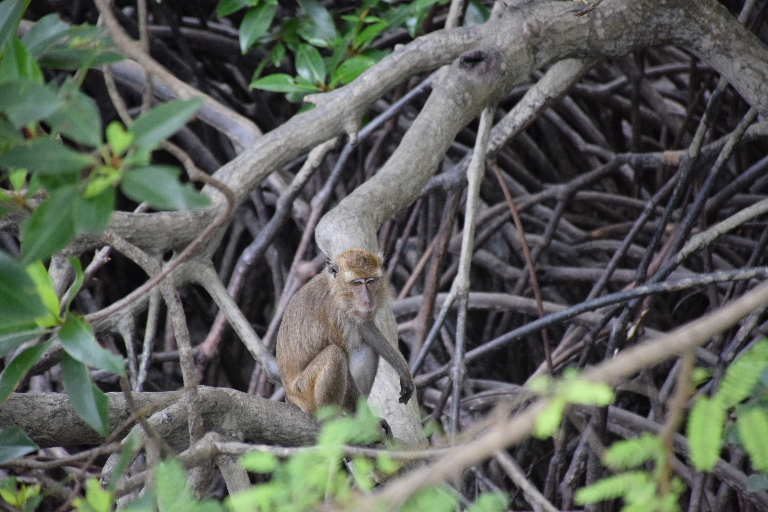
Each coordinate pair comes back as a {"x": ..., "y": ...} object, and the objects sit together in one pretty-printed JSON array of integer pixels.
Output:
[{"x": 406, "y": 390}]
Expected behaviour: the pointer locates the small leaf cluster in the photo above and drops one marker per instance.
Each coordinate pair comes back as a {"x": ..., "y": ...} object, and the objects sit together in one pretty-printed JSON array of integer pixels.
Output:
[
  {"x": 327, "y": 49},
  {"x": 638, "y": 488},
  {"x": 744, "y": 392},
  {"x": 22, "y": 497},
  {"x": 570, "y": 389},
  {"x": 62, "y": 170}
]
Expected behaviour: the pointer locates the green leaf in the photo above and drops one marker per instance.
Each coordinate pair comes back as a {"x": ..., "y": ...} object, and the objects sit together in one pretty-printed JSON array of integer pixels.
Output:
[
  {"x": 14, "y": 443},
  {"x": 50, "y": 226},
  {"x": 490, "y": 502},
  {"x": 434, "y": 499},
  {"x": 742, "y": 374},
  {"x": 78, "y": 341},
  {"x": 19, "y": 367},
  {"x": 227, "y": 7},
  {"x": 25, "y": 101},
  {"x": 89, "y": 403},
  {"x": 17, "y": 64},
  {"x": 77, "y": 283},
  {"x": 548, "y": 420},
  {"x": 368, "y": 34},
  {"x": 78, "y": 119},
  {"x": 118, "y": 138},
  {"x": 159, "y": 186},
  {"x": 255, "y": 23},
  {"x": 259, "y": 462},
  {"x": 39, "y": 275},
  {"x": 96, "y": 499},
  {"x": 753, "y": 430},
  {"x": 10, "y": 14},
  {"x": 43, "y": 33},
  {"x": 91, "y": 215},
  {"x": 18, "y": 294},
  {"x": 578, "y": 391},
  {"x": 161, "y": 122},
  {"x": 705, "y": 432},
  {"x": 309, "y": 64},
  {"x": 321, "y": 26},
  {"x": 46, "y": 156},
  {"x": 280, "y": 82},
  {"x": 277, "y": 53},
  {"x": 15, "y": 336},
  {"x": 613, "y": 487},
  {"x": 173, "y": 493},
  {"x": 631, "y": 453}
]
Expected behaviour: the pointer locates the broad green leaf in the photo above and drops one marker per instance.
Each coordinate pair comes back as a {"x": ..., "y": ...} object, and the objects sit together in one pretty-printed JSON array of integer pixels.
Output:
[
  {"x": 159, "y": 186},
  {"x": 256, "y": 23},
  {"x": 39, "y": 275},
  {"x": 259, "y": 462},
  {"x": 25, "y": 101},
  {"x": 227, "y": 7},
  {"x": 45, "y": 32},
  {"x": 321, "y": 26},
  {"x": 17, "y": 292},
  {"x": 280, "y": 82},
  {"x": 742, "y": 374},
  {"x": 96, "y": 499},
  {"x": 548, "y": 420},
  {"x": 47, "y": 156},
  {"x": 50, "y": 226},
  {"x": 91, "y": 215},
  {"x": 14, "y": 443},
  {"x": 752, "y": 422},
  {"x": 17, "y": 368},
  {"x": 161, "y": 122},
  {"x": 89, "y": 403},
  {"x": 15, "y": 335},
  {"x": 78, "y": 119},
  {"x": 10, "y": 14},
  {"x": 705, "y": 432},
  {"x": 118, "y": 138},
  {"x": 368, "y": 34},
  {"x": 18, "y": 64},
  {"x": 18, "y": 178},
  {"x": 83, "y": 46},
  {"x": 309, "y": 64},
  {"x": 78, "y": 341}
]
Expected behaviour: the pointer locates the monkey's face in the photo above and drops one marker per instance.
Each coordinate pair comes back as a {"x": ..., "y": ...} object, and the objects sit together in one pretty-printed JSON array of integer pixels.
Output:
[{"x": 364, "y": 294}]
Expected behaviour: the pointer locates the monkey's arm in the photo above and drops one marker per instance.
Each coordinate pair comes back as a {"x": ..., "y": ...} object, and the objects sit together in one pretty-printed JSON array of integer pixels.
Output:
[{"x": 373, "y": 337}]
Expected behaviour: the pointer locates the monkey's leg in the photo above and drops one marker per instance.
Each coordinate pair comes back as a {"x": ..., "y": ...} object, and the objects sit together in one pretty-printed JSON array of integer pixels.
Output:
[{"x": 324, "y": 381}]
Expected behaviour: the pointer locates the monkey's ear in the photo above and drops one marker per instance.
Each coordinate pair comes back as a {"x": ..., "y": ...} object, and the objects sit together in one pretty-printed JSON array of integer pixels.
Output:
[{"x": 333, "y": 269}]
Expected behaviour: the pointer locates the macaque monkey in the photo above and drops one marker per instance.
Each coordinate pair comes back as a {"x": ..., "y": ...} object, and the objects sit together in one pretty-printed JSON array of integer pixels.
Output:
[{"x": 328, "y": 347}]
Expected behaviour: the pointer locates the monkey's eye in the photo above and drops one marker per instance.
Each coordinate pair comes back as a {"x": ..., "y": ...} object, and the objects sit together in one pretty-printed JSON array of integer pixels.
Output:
[
  {"x": 371, "y": 280},
  {"x": 358, "y": 282}
]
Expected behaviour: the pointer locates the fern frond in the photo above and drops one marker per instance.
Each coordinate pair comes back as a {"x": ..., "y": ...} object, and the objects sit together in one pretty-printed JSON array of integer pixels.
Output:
[
  {"x": 705, "y": 432},
  {"x": 630, "y": 453},
  {"x": 743, "y": 374},
  {"x": 752, "y": 423},
  {"x": 614, "y": 487}
]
